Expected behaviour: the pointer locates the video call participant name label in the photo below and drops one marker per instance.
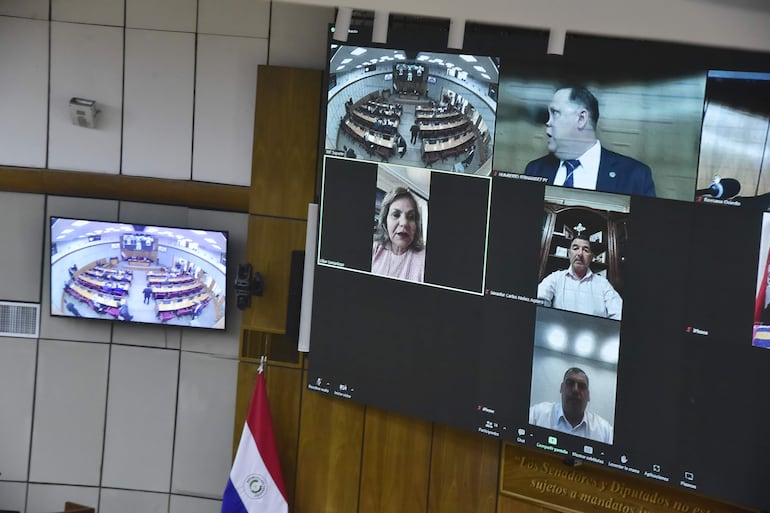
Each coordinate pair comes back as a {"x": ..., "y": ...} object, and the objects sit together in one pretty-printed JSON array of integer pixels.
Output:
[
  {"x": 503, "y": 174},
  {"x": 518, "y": 297}
]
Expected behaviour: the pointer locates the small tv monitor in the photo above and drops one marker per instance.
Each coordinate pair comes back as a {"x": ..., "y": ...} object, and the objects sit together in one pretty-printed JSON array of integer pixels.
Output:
[{"x": 137, "y": 273}]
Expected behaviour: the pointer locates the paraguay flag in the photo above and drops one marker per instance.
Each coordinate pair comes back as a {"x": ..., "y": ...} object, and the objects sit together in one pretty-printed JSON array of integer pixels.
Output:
[{"x": 256, "y": 483}]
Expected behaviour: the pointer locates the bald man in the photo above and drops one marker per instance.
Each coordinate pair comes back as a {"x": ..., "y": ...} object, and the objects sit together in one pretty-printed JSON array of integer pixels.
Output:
[{"x": 576, "y": 157}]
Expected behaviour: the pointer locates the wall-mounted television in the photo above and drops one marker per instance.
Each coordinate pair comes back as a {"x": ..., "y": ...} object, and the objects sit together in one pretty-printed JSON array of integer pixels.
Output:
[
  {"x": 138, "y": 273},
  {"x": 624, "y": 327}
]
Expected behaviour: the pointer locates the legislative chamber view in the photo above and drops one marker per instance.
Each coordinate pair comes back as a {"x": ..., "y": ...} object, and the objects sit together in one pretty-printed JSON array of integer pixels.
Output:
[
  {"x": 137, "y": 273},
  {"x": 420, "y": 109}
]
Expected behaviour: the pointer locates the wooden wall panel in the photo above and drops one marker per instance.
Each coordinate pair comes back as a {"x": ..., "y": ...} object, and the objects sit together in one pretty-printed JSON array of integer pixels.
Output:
[
  {"x": 463, "y": 472},
  {"x": 764, "y": 173},
  {"x": 763, "y": 185},
  {"x": 733, "y": 146},
  {"x": 127, "y": 188},
  {"x": 283, "y": 389},
  {"x": 329, "y": 460},
  {"x": 544, "y": 479},
  {"x": 247, "y": 376},
  {"x": 286, "y": 128},
  {"x": 511, "y": 505},
  {"x": 396, "y": 463},
  {"x": 270, "y": 243}
]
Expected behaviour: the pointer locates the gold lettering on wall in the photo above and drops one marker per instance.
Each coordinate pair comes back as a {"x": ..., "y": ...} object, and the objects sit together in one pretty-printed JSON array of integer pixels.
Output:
[{"x": 546, "y": 480}]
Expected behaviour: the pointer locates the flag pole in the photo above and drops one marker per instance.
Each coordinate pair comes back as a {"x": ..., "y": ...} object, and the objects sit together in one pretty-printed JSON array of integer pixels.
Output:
[{"x": 256, "y": 482}]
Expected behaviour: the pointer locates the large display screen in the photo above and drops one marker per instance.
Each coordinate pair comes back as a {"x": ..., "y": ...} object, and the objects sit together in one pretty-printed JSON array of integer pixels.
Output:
[
  {"x": 138, "y": 273},
  {"x": 588, "y": 294}
]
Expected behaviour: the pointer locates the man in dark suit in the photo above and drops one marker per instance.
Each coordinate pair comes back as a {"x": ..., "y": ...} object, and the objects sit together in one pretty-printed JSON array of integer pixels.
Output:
[{"x": 576, "y": 157}]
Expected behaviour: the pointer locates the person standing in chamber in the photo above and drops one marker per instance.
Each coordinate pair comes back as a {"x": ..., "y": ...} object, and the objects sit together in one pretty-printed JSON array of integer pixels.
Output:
[
  {"x": 399, "y": 246},
  {"x": 577, "y": 289},
  {"x": 577, "y": 159},
  {"x": 147, "y": 294},
  {"x": 414, "y": 131}
]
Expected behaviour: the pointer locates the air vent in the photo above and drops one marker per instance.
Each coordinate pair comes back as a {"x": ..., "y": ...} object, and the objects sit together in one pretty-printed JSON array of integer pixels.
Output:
[{"x": 19, "y": 319}]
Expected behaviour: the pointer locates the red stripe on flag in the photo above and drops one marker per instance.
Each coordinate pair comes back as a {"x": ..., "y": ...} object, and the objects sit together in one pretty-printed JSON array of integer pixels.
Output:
[
  {"x": 261, "y": 426},
  {"x": 759, "y": 306}
]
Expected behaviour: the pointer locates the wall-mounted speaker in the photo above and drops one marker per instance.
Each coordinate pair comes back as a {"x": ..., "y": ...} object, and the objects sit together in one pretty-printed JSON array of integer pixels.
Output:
[
  {"x": 83, "y": 112},
  {"x": 294, "y": 305}
]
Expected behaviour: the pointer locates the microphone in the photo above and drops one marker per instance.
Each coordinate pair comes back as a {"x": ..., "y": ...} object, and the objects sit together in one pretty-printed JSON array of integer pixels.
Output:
[{"x": 721, "y": 188}]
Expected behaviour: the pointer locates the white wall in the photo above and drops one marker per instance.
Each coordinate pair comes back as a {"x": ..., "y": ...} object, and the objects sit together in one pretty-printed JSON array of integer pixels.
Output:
[
  {"x": 119, "y": 417},
  {"x": 174, "y": 82},
  {"x": 127, "y": 418},
  {"x": 728, "y": 23},
  {"x": 24, "y": 98}
]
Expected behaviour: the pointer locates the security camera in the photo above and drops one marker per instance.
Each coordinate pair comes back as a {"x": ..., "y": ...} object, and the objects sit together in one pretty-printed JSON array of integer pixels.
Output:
[{"x": 247, "y": 283}]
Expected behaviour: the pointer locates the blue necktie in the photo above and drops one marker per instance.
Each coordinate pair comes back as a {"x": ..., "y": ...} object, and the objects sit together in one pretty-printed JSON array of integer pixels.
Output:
[{"x": 570, "y": 166}]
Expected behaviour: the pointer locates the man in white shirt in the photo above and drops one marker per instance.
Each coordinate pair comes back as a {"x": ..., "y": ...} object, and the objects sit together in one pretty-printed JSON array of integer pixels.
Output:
[
  {"x": 577, "y": 289},
  {"x": 576, "y": 158},
  {"x": 570, "y": 415}
]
